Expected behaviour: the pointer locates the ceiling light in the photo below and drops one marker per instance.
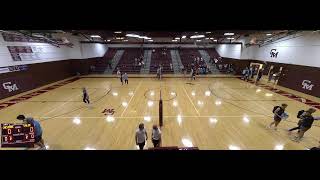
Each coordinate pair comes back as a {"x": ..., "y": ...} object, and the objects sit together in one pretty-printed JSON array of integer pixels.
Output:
[
  {"x": 174, "y": 40},
  {"x": 210, "y": 38},
  {"x": 207, "y": 38},
  {"x": 95, "y": 36},
  {"x": 125, "y": 40},
  {"x": 177, "y": 38},
  {"x": 198, "y": 40},
  {"x": 183, "y": 37},
  {"x": 108, "y": 40},
  {"x": 269, "y": 34},
  {"x": 132, "y": 35},
  {"x": 230, "y": 38},
  {"x": 215, "y": 40},
  {"x": 228, "y": 34},
  {"x": 197, "y": 36},
  {"x": 208, "y": 32},
  {"x": 150, "y": 40},
  {"x": 118, "y": 32}
]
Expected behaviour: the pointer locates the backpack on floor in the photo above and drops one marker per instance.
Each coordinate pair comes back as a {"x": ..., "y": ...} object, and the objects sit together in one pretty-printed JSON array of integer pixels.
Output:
[
  {"x": 300, "y": 113},
  {"x": 274, "y": 108}
]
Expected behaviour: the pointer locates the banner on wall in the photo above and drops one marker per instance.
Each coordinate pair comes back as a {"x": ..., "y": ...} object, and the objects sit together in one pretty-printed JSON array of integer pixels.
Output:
[{"x": 13, "y": 69}]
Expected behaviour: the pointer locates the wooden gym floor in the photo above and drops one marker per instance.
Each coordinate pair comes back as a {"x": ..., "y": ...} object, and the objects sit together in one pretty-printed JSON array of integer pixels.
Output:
[{"x": 209, "y": 113}]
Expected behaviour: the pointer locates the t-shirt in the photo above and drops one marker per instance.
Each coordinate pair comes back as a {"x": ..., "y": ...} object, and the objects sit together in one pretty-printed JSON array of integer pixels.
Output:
[
  {"x": 156, "y": 134},
  {"x": 38, "y": 129},
  {"x": 141, "y": 135},
  {"x": 125, "y": 76}
]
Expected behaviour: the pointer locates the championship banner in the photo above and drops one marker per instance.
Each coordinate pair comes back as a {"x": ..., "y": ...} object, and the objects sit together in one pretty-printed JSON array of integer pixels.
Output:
[{"x": 13, "y": 69}]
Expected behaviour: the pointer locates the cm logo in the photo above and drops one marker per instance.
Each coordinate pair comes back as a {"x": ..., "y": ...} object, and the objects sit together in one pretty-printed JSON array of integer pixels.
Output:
[{"x": 10, "y": 87}]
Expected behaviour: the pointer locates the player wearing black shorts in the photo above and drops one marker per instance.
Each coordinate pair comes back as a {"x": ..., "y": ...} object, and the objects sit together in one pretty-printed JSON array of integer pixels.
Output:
[
  {"x": 278, "y": 111},
  {"x": 85, "y": 96}
]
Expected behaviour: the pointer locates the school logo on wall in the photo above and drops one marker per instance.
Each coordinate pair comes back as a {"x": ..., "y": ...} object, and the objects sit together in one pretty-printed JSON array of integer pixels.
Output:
[
  {"x": 306, "y": 84},
  {"x": 274, "y": 53},
  {"x": 10, "y": 87},
  {"x": 108, "y": 111}
]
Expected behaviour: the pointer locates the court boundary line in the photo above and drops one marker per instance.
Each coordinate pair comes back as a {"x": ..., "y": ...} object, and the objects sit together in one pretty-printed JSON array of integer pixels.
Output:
[
  {"x": 185, "y": 91},
  {"x": 134, "y": 93},
  {"x": 134, "y": 117}
]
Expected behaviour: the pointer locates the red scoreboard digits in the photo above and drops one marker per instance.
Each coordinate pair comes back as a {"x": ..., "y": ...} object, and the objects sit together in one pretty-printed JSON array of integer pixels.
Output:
[{"x": 17, "y": 135}]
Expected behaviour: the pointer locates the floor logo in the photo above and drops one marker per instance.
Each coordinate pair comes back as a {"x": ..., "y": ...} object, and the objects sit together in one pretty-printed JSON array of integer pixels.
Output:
[
  {"x": 108, "y": 111},
  {"x": 10, "y": 87},
  {"x": 306, "y": 84}
]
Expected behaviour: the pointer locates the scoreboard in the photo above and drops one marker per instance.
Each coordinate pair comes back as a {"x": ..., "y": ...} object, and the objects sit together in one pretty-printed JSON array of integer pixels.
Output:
[{"x": 17, "y": 135}]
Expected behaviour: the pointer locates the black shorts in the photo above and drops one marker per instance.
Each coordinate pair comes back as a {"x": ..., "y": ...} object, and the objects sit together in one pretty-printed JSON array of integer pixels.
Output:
[
  {"x": 37, "y": 138},
  {"x": 276, "y": 118}
]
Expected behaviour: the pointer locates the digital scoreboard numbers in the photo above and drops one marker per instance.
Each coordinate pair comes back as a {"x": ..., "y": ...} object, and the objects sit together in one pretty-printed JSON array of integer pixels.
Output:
[{"x": 17, "y": 135}]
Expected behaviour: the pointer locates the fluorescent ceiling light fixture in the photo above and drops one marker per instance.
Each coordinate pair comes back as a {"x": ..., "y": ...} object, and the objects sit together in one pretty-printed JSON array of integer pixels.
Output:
[
  {"x": 230, "y": 38},
  {"x": 125, "y": 40},
  {"x": 215, "y": 40},
  {"x": 228, "y": 34},
  {"x": 118, "y": 32},
  {"x": 207, "y": 38},
  {"x": 208, "y": 32},
  {"x": 95, "y": 36},
  {"x": 108, "y": 40},
  {"x": 197, "y": 36},
  {"x": 150, "y": 40},
  {"x": 210, "y": 38},
  {"x": 132, "y": 35},
  {"x": 268, "y": 34},
  {"x": 183, "y": 37},
  {"x": 177, "y": 38},
  {"x": 174, "y": 40},
  {"x": 198, "y": 40}
]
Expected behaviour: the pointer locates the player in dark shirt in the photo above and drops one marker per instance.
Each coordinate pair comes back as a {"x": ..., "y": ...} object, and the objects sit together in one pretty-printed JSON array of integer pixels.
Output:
[
  {"x": 278, "y": 112},
  {"x": 85, "y": 96},
  {"x": 306, "y": 123}
]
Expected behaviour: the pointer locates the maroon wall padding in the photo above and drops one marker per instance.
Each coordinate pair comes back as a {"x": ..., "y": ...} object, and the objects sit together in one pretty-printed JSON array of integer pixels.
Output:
[
  {"x": 292, "y": 76},
  {"x": 41, "y": 74}
]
